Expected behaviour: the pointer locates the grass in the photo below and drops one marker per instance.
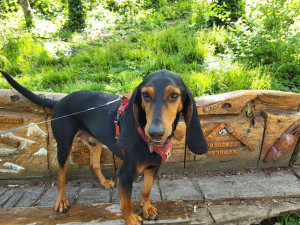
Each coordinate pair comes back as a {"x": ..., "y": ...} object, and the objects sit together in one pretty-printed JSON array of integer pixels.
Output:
[
  {"x": 117, "y": 65},
  {"x": 290, "y": 219}
]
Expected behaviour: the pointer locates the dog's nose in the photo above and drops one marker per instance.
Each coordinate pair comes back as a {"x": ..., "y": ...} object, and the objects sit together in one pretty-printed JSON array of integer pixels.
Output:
[{"x": 156, "y": 131}]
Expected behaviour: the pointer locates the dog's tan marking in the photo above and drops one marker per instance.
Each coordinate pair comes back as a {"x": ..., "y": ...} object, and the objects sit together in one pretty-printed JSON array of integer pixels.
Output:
[
  {"x": 95, "y": 148},
  {"x": 148, "y": 210},
  {"x": 62, "y": 203},
  {"x": 126, "y": 206},
  {"x": 95, "y": 164},
  {"x": 170, "y": 109}
]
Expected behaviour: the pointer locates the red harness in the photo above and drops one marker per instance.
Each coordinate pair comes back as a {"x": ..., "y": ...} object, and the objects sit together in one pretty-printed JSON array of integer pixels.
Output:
[{"x": 163, "y": 150}]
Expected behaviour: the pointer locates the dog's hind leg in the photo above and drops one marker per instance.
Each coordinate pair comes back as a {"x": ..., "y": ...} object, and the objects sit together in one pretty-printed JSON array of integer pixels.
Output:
[
  {"x": 95, "y": 155},
  {"x": 64, "y": 131},
  {"x": 62, "y": 204},
  {"x": 95, "y": 148}
]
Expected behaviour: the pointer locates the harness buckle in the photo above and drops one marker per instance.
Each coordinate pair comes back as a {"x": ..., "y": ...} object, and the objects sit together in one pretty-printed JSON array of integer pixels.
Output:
[{"x": 168, "y": 153}]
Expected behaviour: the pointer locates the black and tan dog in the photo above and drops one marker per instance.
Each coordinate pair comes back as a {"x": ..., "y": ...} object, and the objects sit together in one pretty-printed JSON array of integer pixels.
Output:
[{"x": 153, "y": 109}]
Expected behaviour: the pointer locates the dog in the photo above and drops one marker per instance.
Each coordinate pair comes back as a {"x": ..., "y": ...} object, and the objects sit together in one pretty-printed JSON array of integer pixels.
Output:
[{"x": 146, "y": 129}]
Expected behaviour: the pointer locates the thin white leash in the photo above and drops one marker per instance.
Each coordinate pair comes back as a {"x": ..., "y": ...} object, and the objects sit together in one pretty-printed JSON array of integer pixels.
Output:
[{"x": 61, "y": 117}]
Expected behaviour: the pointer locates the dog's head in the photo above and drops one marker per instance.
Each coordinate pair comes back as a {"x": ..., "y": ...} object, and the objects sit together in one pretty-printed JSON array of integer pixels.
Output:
[{"x": 157, "y": 104}]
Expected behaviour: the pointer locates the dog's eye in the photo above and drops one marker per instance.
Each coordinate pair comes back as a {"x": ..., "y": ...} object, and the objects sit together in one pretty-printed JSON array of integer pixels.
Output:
[
  {"x": 146, "y": 96},
  {"x": 174, "y": 96}
]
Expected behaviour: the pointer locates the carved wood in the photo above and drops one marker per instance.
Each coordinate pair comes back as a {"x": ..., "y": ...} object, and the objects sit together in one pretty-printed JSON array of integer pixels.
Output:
[{"x": 240, "y": 128}]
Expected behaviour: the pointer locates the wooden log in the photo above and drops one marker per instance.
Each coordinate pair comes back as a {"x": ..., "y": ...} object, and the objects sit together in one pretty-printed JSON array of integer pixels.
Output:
[
  {"x": 12, "y": 100},
  {"x": 234, "y": 102},
  {"x": 239, "y": 127}
]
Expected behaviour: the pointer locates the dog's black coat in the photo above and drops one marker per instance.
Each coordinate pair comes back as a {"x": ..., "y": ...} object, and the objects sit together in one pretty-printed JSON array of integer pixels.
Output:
[{"x": 99, "y": 123}]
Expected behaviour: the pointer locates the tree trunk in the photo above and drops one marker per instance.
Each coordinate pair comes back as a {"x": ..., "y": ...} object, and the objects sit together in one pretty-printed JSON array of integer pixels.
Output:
[{"x": 28, "y": 14}]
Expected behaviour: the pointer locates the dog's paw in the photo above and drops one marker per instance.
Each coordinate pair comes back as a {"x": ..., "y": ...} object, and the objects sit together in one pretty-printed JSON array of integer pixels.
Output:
[
  {"x": 150, "y": 212},
  {"x": 133, "y": 219},
  {"x": 107, "y": 184},
  {"x": 62, "y": 205}
]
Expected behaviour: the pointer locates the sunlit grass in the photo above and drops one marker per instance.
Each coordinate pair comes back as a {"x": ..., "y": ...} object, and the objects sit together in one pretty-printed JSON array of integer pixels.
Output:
[{"x": 118, "y": 66}]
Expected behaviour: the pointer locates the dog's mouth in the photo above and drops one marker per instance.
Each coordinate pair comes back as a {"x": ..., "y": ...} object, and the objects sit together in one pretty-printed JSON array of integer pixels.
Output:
[{"x": 157, "y": 142}]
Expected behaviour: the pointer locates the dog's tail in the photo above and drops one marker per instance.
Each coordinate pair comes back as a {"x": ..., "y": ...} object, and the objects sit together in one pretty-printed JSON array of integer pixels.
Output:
[{"x": 45, "y": 102}]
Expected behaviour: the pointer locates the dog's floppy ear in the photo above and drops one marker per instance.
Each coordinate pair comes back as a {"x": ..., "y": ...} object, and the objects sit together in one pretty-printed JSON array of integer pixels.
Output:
[
  {"x": 194, "y": 135},
  {"x": 129, "y": 135}
]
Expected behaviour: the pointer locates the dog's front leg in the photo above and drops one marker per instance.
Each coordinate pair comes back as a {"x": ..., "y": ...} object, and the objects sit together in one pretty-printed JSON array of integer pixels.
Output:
[
  {"x": 125, "y": 182},
  {"x": 149, "y": 212}
]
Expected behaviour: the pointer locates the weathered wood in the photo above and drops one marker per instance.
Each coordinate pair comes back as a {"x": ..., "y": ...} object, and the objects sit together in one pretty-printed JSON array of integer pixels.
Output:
[
  {"x": 276, "y": 125},
  {"x": 239, "y": 127},
  {"x": 23, "y": 153},
  {"x": 234, "y": 102}
]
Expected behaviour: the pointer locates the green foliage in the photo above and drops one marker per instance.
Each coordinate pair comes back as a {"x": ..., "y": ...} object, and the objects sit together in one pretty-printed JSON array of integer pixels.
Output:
[
  {"x": 152, "y": 35},
  {"x": 46, "y": 9},
  {"x": 200, "y": 12},
  {"x": 225, "y": 11},
  {"x": 290, "y": 219},
  {"x": 76, "y": 15},
  {"x": 148, "y": 13},
  {"x": 21, "y": 52},
  {"x": 118, "y": 66},
  {"x": 225, "y": 77},
  {"x": 7, "y": 6},
  {"x": 267, "y": 35}
]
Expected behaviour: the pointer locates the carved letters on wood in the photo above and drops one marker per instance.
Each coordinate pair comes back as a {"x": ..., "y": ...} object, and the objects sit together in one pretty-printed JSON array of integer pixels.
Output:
[
  {"x": 222, "y": 152},
  {"x": 81, "y": 156},
  {"x": 10, "y": 120},
  {"x": 223, "y": 144},
  {"x": 178, "y": 135},
  {"x": 212, "y": 107},
  {"x": 10, "y": 142}
]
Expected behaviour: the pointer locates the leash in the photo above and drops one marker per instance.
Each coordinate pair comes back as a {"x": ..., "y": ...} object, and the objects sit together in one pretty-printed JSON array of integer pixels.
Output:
[{"x": 61, "y": 117}]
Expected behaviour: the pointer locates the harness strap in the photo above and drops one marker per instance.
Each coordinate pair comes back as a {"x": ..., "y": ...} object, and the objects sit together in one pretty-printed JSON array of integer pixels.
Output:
[
  {"x": 120, "y": 112},
  {"x": 164, "y": 151}
]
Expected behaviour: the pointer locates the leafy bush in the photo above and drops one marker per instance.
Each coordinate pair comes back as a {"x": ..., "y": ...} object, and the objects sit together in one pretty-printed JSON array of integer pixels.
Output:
[
  {"x": 20, "y": 52},
  {"x": 46, "y": 8},
  {"x": 268, "y": 35},
  {"x": 224, "y": 11},
  {"x": 200, "y": 12},
  {"x": 7, "y": 6},
  {"x": 76, "y": 15}
]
